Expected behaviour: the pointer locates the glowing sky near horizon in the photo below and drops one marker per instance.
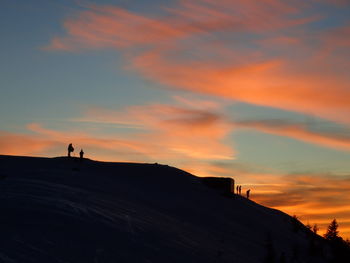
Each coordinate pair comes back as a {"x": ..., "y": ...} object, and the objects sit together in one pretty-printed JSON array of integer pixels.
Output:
[{"x": 257, "y": 90}]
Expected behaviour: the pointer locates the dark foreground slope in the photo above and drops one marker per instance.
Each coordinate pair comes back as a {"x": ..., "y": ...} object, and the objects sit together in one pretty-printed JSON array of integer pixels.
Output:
[{"x": 61, "y": 210}]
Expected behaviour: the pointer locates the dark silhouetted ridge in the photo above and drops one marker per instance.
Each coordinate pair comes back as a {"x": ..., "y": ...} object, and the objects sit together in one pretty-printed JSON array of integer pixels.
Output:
[{"x": 63, "y": 210}]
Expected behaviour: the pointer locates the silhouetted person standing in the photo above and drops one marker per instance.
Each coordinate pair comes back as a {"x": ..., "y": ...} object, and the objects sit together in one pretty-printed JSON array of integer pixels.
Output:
[
  {"x": 248, "y": 192},
  {"x": 237, "y": 188},
  {"x": 81, "y": 154},
  {"x": 70, "y": 149},
  {"x": 240, "y": 189}
]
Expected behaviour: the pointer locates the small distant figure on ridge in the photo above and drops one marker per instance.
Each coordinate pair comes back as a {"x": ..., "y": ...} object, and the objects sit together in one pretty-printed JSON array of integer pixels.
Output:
[
  {"x": 70, "y": 149},
  {"x": 81, "y": 154},
  {"x": 248, "y": 192},
  {"x": 240, "y": 189},
  {"x": 237, "y": 187}
]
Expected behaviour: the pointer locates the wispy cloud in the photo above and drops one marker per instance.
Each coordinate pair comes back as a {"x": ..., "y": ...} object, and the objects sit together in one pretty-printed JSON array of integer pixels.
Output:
[
  {"x": 111, "y": 26},
  {"x": 188, "y": 128},
  {"x": 228, "y": 49},
  {"x": 315, "y": 198},
  {"x": 185, "y": 130},
  {"x": 300, "y": 131},
  {"x": 174, "y": 130},
  {"x": 23, "y": 144}
]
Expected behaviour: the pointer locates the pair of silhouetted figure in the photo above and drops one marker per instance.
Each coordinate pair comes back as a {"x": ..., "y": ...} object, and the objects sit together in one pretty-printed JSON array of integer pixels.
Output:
[
  {"x": 71, "y": 149},
  {"x": 238, "y": 189}
]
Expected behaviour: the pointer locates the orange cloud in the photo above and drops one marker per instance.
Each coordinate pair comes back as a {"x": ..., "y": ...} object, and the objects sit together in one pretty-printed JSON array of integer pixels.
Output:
[
  {"x": 96, "y": 146},
  {"x": 314, "y": 198},
  {"x": 175, "y": 48},
  {"x": 265, "y": 83},
  {"x": 299, "y": 132},
  {"x": 173, "y": 130},
  {"x": 185, "y": 131},
  {"x": 44, "y": 142},
  {"x": 22, "y": 144},
  {"x": 110, "y": 26},
  {"x": 189, "y": 128}
]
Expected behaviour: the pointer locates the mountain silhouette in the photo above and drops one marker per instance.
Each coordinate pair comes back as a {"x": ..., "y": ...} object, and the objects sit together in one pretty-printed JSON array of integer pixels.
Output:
[{"x": 63, "y": 210}]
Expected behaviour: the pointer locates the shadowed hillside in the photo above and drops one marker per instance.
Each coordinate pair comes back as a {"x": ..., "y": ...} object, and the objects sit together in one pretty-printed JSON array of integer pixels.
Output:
[{"x": 64, "y": 210}]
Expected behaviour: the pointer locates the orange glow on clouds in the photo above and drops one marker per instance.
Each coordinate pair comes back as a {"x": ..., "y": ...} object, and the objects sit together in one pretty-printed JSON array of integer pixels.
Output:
[
  {"x": 20, "y": 144},
  {"x": 299, "y": 132},
  {"x": 251, "y": 51},
  {"x": 173, "y": 131},
  {"x": 309, "y": 82},
  {"x": 160, "y": 132},
  {"x": 195, "y": 137},
  {"x": 314, "y": 198}
]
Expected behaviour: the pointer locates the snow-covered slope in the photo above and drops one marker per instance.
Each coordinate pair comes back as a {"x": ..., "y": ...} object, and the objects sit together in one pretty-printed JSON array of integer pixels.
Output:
[{"x": 64, "y": 210}]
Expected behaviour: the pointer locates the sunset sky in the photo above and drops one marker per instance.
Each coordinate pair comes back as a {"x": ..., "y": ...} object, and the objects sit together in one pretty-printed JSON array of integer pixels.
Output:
[{"x": 258, "y": 90}]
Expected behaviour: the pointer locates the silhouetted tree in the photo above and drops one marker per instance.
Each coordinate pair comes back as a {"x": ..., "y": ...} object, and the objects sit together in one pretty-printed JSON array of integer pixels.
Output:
[
  {"x": 340, "y": 248},
  {"x": 332, "y": 231}
]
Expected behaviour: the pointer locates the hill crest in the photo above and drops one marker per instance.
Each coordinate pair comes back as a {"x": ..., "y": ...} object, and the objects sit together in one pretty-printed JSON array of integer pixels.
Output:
[{"x": 63, "y": 210}]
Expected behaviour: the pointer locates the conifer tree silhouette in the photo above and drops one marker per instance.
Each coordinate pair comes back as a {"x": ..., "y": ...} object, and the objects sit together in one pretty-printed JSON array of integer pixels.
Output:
[{"x": 332, "y": 231}]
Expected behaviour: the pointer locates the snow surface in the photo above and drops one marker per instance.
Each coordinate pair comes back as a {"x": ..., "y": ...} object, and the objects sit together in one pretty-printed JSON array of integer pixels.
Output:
[{"x": 64, "y": 210}]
